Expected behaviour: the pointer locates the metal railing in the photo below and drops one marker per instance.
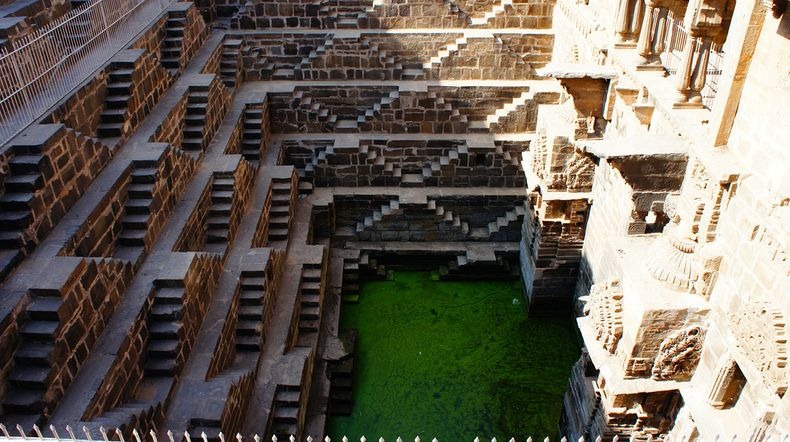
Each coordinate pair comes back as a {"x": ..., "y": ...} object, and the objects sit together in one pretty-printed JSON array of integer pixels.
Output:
[
  {"x": 41, "y": 68},
  {"x": 675, "y": 37},
  {"x": 75, "y": 435}
]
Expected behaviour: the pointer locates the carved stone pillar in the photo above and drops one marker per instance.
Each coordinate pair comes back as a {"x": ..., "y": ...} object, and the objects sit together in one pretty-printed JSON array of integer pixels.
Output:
[
  {"x": 692, "y": 72},
  {"x": 701, "y": 69},
  {"x": 623, "y": 23},
  {"x": 727, "y": 386},
  {"x": 684, "y": 69},
  {"x": 636, "y": 19},
  {"x": 645, "y": 43},
  {"x": 649, "y": 36}
]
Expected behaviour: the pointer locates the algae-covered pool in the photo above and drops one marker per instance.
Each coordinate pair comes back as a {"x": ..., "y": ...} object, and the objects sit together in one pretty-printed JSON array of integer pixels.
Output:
[{"x": 453, "y": 360}]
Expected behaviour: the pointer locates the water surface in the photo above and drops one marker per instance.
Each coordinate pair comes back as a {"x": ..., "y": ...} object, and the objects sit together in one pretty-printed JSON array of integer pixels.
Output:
[{"x": 453, "y": 360}]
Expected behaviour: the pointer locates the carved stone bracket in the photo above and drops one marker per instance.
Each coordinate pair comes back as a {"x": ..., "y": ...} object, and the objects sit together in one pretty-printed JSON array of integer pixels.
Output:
[
  {"x": 679, "y": 354},
  {"x": 605, "y": 309}
]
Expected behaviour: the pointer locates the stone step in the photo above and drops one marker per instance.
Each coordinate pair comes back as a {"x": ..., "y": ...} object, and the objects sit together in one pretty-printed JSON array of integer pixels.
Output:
[
  {"x": 250, "y": 312},
  {"x": 34, "y": 354},
  {"x": 14, "y": 220},
  {"x": 23, "y": 400},
  {"x": 248, "y": 343},
  {"x": 26, "y": 164},
  {"x": 29, "y": 376},
  {"x": 39, "y": 330},
  {"x": 160, "y": 366},
  {"x": 169, "y": 295},
  {"x": 166, "y": 330},
  {"x": 248, "y": 328},
  {"x": 23, "y": 182}
]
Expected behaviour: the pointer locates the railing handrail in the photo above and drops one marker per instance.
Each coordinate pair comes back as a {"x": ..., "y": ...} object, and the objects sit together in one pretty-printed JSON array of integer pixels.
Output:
[{"x": 43, "y": 67}]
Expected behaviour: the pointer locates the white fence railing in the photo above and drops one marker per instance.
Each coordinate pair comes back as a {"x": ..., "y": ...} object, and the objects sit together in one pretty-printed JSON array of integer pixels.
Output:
[
  {"x": 675, "y": 37},
  {"x": 41, "y": 68},
  {"x": 73, "y": 435}
]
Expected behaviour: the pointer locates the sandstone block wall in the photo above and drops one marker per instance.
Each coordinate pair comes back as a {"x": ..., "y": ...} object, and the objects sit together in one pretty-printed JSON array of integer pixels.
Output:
[
  {"x": 53, "y": 166},
  {"x": 171, "y": 131},
  {"x": 82, "y": 110},
  {"x": 99, "y": 235},
  {"x": 73, "y": 305},
  {"x": 22, "y": 18}
]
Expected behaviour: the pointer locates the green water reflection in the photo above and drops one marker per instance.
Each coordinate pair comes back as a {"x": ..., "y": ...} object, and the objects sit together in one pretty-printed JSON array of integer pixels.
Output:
[{"x": 454, "y": 360}]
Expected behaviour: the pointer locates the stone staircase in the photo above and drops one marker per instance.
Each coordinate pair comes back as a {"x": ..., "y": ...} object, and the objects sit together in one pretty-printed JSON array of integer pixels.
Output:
[
  {"x": 452, "y": 48},
  {"x": 249, "y": 325},
  {"x": 444, "y": 163},
  {"x": 346, "y": 14},
  {"x": 301, "y": 67},
  {"x": 512, "y": 220},
  {"x": 132, "y": 415},
  {"x": 386, "y": 102},
  {"x": 484, "y": 125},
  {"x": 496, "y": 10},
  {"x": 251, "y": 138},
  {"x": 137, "y": 210},
  {"x": 230, "y": 61},
  {"x": 22, "y": 181},
  {"x": 391, "y": 208},
  {"x": 475, "y": 261},
  {"x": 29, "y": 379},
  {"x": 315, "y": 110},
  {"x": 447, "y": 217},
  {"x": 341, "y": 395},
  {"x": 195, "y": 118},
  {"x": 119, "y": 89},
  {"x": 371, "y": 266},
  {"x": 383, "y": 170},
  {"x": 309, "y": 305},
  {"x": 441, "y": 104},
  {"x": 452, "y": 6},
  {"x": 285, "y": 411},
  {"x": 165, "y": 329},
  {"x": 351, "y": 274},
  {"x": 280, "y": 211},
  {"x": 218, "y": 221},
  {"x": 319, "y": 158},
  {"x": 173, "y": 44}
]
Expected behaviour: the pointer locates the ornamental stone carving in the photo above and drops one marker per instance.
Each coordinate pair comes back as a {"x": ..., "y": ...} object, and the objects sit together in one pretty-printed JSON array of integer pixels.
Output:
[
  {"x": 605, "y": 309},
  {"x": 679, "y": 354},
  {"x": 761, "y": 331}
]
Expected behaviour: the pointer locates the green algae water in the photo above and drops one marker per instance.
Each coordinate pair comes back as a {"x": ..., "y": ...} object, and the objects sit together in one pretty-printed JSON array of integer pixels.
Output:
[{"x": 453, "y": 360}]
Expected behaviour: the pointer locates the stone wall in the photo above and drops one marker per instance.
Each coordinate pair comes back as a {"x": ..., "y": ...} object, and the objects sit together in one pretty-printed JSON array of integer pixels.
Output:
[
  {"x": 451, "y": 163},
  {"x": 378, "y": 218},
  {"x": 363, "y": 109},
  {"x": 554, "y": 232},
  {"x": 236, "y": 404},
  {"x": 193, "y": 235},
  {"x": 243, "y": 177},
  {"x": 119, "y": 383},
  {"x": 199, "y": 283},
  {"x": 87, "y": 292},
  {"x": 98, "y": 235},
  {"x": 195, "y": 33},
  {"x": 149, "y": 82},
  {"x": 62, "y": 164},
  {"x": 484, "y": 58},
  {"x": 82, "y": 110},
  {"x": 171, "y": 131},
  {"x": 22, "y": 18},
  {"x": 151, "y": 40}
]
